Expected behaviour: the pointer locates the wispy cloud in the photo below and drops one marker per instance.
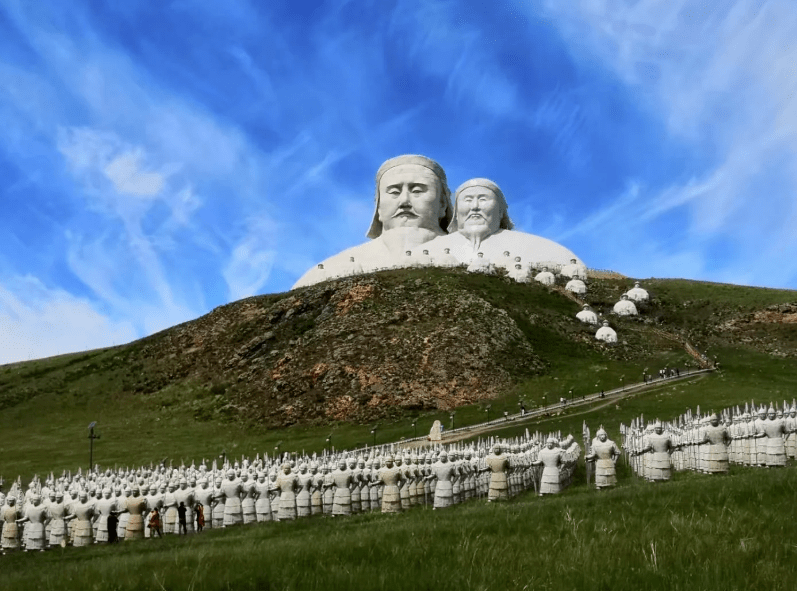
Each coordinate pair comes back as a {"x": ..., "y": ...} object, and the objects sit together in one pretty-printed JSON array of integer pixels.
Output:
[
  {"x": 160, "y": 161},
  {"x": 722, "y": 77},
  {"x": 38, "y": 321}
]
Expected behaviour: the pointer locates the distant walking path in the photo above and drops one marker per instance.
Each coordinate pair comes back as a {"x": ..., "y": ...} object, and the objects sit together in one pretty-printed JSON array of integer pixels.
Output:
[{"x": 553, "y": 410}]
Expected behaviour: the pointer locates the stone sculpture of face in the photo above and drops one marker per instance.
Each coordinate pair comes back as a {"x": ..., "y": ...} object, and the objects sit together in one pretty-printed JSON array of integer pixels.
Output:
[
  {"x": 602, "y": 437},
  {"x": 715, "y": 421},
  {"x": 286, "y": 468},
  {"x": 658, "y": 429},
  {"x": 410, "y": 197},
  {"x": 771, "y": 415},
  {"x": 479, "y": 211}
]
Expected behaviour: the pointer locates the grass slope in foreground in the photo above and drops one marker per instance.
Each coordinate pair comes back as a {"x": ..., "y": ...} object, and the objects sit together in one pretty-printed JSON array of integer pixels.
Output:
[{"x": 733, "y": 532}]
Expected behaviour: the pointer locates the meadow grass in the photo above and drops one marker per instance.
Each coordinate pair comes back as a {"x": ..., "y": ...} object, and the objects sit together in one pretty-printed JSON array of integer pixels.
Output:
[
  {"x": 696, "y": 532},
  {"x": 731, "y": 532}
]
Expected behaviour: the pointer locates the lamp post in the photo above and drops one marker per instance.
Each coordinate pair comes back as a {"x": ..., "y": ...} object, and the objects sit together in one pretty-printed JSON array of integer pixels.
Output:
[
  {"x": 415, "y": 428},
  {"x": 329, "y": 440},
  {"x": 92, "y": 437},
  {"x": 452, "y": 415},
  {"x": 373, "y": 432},
  {"x": 570, "y": 394},
  {"x": 622, "y": 381},
  {"x": 277, "y": 449},
  {"x": 487, "y": 410}
]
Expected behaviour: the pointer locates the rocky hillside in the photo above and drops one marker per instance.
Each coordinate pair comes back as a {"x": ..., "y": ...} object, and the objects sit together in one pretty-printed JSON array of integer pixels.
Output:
[{"x": 381, "y": 345}]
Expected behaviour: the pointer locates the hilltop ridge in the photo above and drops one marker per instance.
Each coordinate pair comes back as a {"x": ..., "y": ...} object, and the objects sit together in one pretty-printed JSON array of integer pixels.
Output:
[{"x": 376, "y": 346}]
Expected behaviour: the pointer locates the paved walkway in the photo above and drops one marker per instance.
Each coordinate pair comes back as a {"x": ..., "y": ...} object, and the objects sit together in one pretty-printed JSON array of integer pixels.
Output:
[{"x": 552, "y": 410}]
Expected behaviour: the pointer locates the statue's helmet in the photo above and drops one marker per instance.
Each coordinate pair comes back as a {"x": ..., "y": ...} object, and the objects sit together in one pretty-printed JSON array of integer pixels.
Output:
[
  {"x": 505, "y": 224},
  {"x": 445, "y": 193}
]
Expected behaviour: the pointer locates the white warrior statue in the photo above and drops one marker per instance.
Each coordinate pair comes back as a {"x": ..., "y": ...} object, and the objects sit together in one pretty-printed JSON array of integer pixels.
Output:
[{"x": 604, "y": 453}]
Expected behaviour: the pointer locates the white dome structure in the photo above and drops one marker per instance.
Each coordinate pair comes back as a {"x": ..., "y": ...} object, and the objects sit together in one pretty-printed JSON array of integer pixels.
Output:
[
  {"x": 446, "y": 259},
  {"x": 638, "y": 294},
  {"x": 625, "y": 307},
  {"x": 587, "y": 316},
  {"x": 519, "y": 275},
  {"x": 479, "y": 264},
  {"x": 576, "y": 286},
  {"x": 606, "y": 333},
  {"x": 574, "y": 270},
  {"x": 545, "y": 277}
]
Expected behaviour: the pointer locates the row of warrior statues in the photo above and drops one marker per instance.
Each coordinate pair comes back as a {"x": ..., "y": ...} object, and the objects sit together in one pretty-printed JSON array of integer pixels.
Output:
[
  {"x": 78, "y": 508},
  {"x": 766, "y": 437},
  {"x": 145, "y": 502}
]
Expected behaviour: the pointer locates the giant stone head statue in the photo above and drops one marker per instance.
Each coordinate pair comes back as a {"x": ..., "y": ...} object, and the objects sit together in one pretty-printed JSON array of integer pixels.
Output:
[
  {"x": 479, "y": 204},
  {"x": 411, "y": 191}
]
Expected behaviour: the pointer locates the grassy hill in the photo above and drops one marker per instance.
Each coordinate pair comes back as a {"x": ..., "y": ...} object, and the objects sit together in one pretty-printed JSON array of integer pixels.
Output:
[
  {"x": 385, "y": 349},
  {"x": 696, "y": 532},
  {"x": 208, "y": 387}
]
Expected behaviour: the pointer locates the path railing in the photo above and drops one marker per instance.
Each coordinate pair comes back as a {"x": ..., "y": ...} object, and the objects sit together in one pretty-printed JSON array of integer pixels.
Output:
[{"x": 543, "y": 411}]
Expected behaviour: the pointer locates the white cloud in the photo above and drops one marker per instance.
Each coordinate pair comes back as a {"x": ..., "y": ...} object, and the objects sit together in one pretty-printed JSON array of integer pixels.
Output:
[
  {"x": 251, "y": 261},
  {"x": 125, "y": 173},
  {"x": 722, "y": 76},
  {"x": 37, "y": 321}
]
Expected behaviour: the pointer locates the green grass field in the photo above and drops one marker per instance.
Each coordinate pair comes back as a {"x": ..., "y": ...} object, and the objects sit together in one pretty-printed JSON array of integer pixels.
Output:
[
  {"x": 733, "y": 532},
  {"x": 696, "y": 532}
]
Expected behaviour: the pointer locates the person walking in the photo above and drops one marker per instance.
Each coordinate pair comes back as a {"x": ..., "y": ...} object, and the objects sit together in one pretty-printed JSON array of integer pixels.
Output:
[
  {"x": 182, "y": 525},
  {"x": 199, "y": 514},
  {"x": 155, "y": 524}
]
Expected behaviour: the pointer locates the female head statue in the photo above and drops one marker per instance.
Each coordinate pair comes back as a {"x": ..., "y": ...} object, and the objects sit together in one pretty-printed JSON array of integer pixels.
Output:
[{"x": 480, "y": 205}]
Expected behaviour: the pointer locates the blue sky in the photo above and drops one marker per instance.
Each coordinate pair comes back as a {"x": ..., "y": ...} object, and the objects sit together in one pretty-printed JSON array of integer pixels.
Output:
[{"x": 161, "y": 159}]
